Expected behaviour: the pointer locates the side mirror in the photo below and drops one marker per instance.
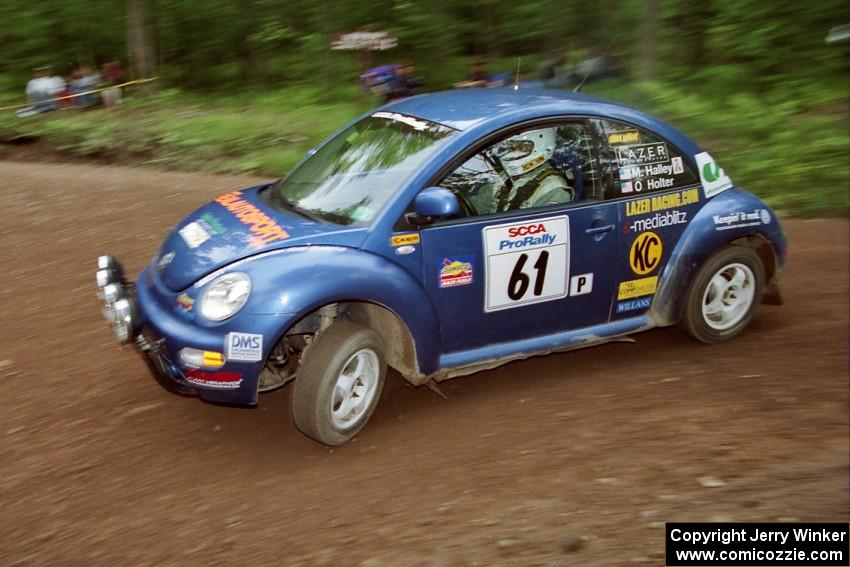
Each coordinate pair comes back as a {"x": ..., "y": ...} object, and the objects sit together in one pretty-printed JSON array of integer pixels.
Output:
[{"x": 434, "y": 203}]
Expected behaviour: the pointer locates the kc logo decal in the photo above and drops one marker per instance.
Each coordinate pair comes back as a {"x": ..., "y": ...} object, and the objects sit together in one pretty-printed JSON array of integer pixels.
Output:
[{"x": 645, "y": 254}]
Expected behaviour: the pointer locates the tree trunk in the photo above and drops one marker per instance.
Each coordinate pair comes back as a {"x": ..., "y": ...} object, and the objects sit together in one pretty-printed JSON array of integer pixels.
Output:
[
  {"x": 140, "y": 40},
  {"x": 649, "y": 39}
]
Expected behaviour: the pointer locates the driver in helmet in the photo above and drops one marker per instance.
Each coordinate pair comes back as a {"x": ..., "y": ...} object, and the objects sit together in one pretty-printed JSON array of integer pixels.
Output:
[{"x": 533, "y": 180}]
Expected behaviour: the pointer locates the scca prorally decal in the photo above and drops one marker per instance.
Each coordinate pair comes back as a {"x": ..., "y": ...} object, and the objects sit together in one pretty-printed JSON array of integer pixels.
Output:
[
  {"x": 264, "y": 229},
  {"x": 662, "y": 202},
  {"x": 528, "y": 262}
]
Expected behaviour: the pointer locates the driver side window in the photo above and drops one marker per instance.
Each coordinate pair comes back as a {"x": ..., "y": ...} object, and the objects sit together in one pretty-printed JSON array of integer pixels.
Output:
[{"x": 536, "y": 168}]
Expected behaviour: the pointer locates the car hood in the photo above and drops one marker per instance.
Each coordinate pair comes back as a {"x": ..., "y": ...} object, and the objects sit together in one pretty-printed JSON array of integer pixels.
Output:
[{"x": 234, "y": 226}]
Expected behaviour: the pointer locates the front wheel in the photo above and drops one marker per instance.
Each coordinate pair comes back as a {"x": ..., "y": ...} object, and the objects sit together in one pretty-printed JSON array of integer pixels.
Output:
[
  {"x": 339, "y": 383},
  {"x": 724, "y": 295}
]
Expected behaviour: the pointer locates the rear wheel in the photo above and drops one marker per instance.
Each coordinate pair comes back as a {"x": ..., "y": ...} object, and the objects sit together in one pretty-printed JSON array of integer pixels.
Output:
[
  {"x": 339, "y": 383},
  {"x": 724, "y": 295}
]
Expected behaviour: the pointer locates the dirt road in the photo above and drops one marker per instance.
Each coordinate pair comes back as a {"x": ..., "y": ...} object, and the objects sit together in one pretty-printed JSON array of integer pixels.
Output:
[{"x": 570, "y": 459}]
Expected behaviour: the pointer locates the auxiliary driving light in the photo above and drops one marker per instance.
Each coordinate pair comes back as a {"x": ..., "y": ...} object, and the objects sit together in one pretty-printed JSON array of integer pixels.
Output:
[
  {"x": 197, "y": 358},
  {"x": 122, "y": 320},
  {"x": 109, "y": 270}
]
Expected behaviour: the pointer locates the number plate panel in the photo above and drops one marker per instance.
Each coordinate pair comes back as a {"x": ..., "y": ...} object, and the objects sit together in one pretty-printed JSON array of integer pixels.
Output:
[{"x": 527, "y": 262}]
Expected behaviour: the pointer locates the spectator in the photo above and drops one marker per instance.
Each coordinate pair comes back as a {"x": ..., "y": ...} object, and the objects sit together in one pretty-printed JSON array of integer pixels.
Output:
[
  {"x": 84, "y": 80},
  {"x": 112, "y": 76},
  {"x": 404, "y": 83},
  {"x": 477, "y": 76},
  {"x": 40, "y": 90}
]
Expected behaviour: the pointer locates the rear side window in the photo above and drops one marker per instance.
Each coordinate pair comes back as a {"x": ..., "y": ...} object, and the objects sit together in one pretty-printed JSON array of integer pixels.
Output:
[{"x": 638, "y": 161}]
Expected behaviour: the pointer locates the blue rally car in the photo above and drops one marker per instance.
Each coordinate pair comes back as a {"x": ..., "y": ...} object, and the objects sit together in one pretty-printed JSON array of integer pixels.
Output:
[{"x": 441, "y": 235}]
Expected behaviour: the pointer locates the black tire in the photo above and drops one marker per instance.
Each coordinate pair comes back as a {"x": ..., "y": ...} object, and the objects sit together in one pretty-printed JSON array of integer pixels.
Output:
[
  {"x": 710, "y": 328},
  {"x": 337, "y": 347}
]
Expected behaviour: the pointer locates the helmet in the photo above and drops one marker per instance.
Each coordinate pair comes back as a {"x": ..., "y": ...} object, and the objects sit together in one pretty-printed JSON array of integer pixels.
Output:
[{"x": 525, "y": 152}]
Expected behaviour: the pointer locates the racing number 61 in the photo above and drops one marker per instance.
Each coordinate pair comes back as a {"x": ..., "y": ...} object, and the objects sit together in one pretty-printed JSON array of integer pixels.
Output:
[{"x": 519, "y": 281}]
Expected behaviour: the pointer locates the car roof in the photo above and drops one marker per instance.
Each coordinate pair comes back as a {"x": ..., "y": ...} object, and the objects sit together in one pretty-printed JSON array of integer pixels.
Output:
[
  {"x": 463, "y": 108},
  {"x": 490, "y": 109}
]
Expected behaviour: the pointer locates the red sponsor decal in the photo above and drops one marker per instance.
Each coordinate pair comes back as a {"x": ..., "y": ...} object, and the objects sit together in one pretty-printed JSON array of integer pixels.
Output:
[
  {"x": 214, "y": 379},
  {"x": 264, "y": 229}
]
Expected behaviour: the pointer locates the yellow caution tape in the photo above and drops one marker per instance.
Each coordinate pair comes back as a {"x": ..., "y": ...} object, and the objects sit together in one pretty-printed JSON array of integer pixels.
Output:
[{"x": 128, "y": 83}]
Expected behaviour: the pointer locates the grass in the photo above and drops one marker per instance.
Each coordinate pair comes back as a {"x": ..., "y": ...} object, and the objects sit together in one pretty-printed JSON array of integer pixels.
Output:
[{"x": 789, "y": 146}]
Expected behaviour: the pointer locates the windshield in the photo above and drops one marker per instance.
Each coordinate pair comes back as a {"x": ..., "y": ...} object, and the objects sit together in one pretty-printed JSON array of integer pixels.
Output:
[{"x": 350, "y": 179}]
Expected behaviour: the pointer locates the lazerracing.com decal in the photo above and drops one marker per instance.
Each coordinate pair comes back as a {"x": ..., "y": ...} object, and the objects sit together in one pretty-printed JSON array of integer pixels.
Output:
[
  {"x": 264, "y": 229},
  {"x": 527, "y": 262},
  {"x": 662, "y": 202}
]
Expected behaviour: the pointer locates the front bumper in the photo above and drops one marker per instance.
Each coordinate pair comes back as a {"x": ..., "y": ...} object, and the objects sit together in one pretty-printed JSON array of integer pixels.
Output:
[{"x": 143, "y": 316}]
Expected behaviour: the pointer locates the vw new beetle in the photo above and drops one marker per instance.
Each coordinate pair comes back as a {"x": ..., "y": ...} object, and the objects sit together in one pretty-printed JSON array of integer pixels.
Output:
[{"x": 441, "y": 235}]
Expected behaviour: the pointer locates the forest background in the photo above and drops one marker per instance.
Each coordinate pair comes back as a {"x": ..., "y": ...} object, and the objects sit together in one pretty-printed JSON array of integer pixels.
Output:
[{"x": 251, "y": 85}]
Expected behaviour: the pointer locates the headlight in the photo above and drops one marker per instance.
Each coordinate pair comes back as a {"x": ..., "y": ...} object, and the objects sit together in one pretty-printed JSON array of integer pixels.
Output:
[{"x": 225, "y": 295}]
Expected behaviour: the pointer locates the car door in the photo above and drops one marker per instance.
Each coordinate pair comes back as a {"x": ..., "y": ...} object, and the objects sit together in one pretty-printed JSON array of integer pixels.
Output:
[
  {"x": 657, "y": 193},
  {"x": 514, "y": 267}
]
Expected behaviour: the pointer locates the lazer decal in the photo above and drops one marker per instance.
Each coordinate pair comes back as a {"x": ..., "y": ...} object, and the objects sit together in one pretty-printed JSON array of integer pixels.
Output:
[
  {"x": 643, "y": 154},
  {"x": 714, "y": 179},
  {"x": 645, "y": 253},
  {"x": 581, "y": 284},
  {"x": 659, "y": 220},
  {"x": 741, "y": 220},
  {"x": 264, "y": 229},
  {"x": 244, "y": 347},
  {"x": 455, "y": 271},
  {"x": 527, "y": 262},
  {"x": 634, "y": 304},
  {"x": 662, "y": 202},
  {"x": 637, "y": 288},
  {"x": 624, "y": 137},
  {"x": 404, "y": 239},
  {"x": 194, "y": 234}
]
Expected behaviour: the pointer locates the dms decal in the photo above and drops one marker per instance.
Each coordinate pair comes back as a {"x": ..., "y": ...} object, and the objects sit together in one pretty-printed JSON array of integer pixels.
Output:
[
  {"x": 263, "y": 228},
  {"x": 741, "y": 220},
  {"x": 527, "y": 262},
  {"x": 645, "y": 253},
  {"x": 634, "y": 304},
  {"x": 244, "y": 347},
  {"x": 662, "y": 202},
  {"x": 455, "y": 271}
]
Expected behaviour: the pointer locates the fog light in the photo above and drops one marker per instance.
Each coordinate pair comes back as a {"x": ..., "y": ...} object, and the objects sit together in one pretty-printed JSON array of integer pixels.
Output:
[
  {"x": 196, "y": 358},
  {"x": 104, "y": 278},
  {"x": 110, "y": 294},
  {"x": 122, "y": 320}
]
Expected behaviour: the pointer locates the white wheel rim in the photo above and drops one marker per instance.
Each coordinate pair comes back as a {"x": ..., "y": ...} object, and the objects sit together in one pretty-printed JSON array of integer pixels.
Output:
[
  {"x": 355, "y": 389},
  {"x": 728, "y": 296}
]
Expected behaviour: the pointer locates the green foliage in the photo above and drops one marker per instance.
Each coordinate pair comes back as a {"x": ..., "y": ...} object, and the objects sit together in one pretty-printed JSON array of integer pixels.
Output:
[{"x": 249, "y": 85}]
